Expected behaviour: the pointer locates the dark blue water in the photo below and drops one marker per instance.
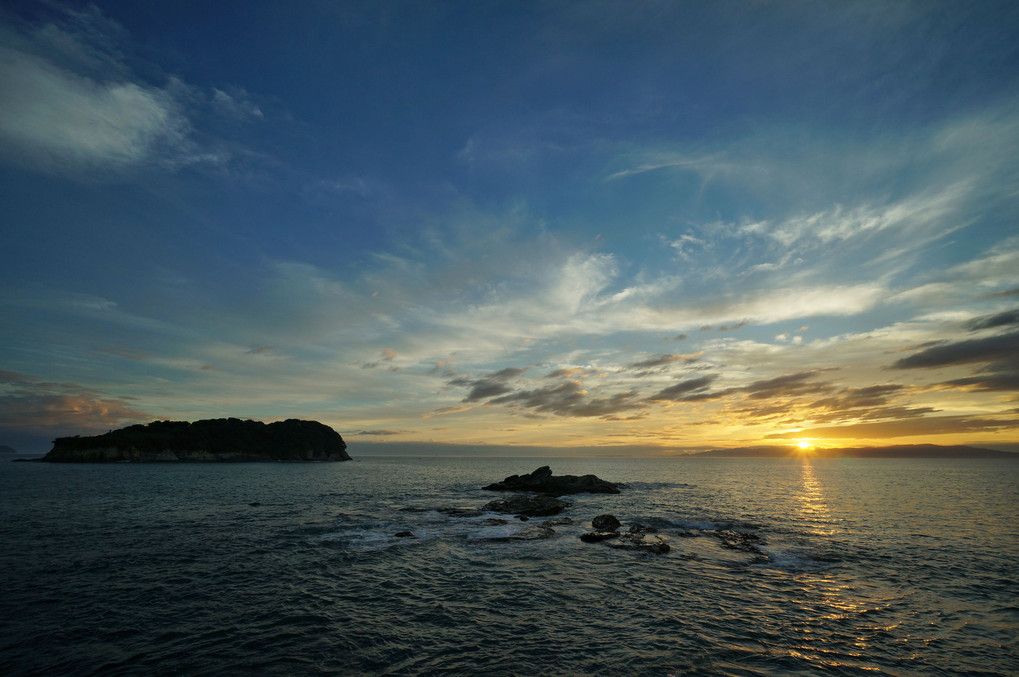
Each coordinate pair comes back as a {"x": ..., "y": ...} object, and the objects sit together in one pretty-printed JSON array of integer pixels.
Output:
[{"x": 847, "y": 567}]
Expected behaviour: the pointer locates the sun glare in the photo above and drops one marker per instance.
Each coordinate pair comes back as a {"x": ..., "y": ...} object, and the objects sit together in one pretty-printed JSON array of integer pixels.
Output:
[{"x": 804, "y": 446}]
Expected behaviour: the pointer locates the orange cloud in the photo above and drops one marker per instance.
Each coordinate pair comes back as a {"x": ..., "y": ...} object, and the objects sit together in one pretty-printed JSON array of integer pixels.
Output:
[{"x": 932, "y": 425}]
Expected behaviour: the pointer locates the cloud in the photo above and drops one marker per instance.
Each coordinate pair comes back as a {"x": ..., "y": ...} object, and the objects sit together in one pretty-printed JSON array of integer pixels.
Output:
[
  {"x": 571, "y": 399},
  {"x": 236, "y": 103},
  {"x": 1002, "y": 319},
  {"x": 868, "y": 403},
  {"x": 50, "y": 118},
  {"x": 74, "y": 105},
  {"x": 932, "y": 425},
  {"x": 568, "y": 372},
  {"x": 653, "y": 162},
  {"x": 783, "y": 386},
  {"x": 663, "y": 361},
  {"x": 28, "y": 404},
  {"x": 1003, "y": 348},
  {"x": 489, "y": 386},
  {"x": 1006, "y": 381},
  {"x": 997, "y": 357},
  {"x": 691, "y": 390}
]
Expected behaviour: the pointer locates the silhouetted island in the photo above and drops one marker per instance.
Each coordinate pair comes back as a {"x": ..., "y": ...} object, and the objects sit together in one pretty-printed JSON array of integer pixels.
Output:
[
  {"x": 4, "y": 449},
  {"x": 221, "y": 439},
  {"x": 894, "y": 451}
]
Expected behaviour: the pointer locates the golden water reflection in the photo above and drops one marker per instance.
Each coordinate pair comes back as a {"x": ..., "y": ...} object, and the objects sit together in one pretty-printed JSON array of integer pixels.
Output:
[
  {"x": 838, "y": 613},
  {"x": 813, "y": 508}
]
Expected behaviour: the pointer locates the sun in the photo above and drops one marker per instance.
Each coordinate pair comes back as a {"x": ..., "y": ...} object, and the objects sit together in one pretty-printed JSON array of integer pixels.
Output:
[{"x": 804, "y": 447}]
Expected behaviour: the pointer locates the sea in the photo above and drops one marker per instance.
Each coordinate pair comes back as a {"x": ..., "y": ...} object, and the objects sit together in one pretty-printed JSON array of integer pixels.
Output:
[{"x": 792, "y": 566}]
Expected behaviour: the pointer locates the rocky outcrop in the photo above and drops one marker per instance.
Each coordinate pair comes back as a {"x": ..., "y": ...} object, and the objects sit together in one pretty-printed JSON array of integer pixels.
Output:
[
  {"x": 528, "y": 505},
  {"x": 541, "y": 481},
  {"x": 225, "y": 439},
  {"x": 640, "y": 537}
]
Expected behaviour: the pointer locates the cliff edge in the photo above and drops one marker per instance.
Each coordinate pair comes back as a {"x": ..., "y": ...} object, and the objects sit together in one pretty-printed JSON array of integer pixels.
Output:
[{"x": 222, "y": 439}]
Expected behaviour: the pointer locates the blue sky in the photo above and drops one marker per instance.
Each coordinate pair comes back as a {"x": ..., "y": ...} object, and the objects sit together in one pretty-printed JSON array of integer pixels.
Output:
[{"x": 611, "y": 226}]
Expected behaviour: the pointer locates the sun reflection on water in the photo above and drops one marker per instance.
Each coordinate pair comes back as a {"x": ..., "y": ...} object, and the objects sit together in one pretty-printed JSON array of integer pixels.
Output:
[{"x": 813, "y": 507}]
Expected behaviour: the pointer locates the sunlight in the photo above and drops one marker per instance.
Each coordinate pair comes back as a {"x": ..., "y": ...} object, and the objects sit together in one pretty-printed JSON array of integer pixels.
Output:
[{"x": 804, "y": 446}]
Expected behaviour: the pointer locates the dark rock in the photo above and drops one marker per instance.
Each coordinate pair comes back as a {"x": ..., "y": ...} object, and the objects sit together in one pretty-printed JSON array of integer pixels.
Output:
[
  {"x": 534, "y": 532},
  {"x": 222, "y": 439},
  {"x": 405, "y": 534},
  {"x": 605, "y": 523},
  {"x": 744, "y": 542},
  {"x": 461, "y": 512},
  {"x": 651, "y": 543},
  {"x": 254, "y": 504},
  {"x": 494, "y": 522},
  {"x": 542, "y": 481},
  {"x": 739, "y": 540},
  {"x": 599, "y": 536},
  {"x": 560, "y": 521},
  {"x": 528, "y": 506},
  {"x": 643, "y": 529}
]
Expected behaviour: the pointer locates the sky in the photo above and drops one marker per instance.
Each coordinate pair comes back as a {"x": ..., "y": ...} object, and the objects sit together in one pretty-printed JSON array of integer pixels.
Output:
[{"x": 580, "y": 227}]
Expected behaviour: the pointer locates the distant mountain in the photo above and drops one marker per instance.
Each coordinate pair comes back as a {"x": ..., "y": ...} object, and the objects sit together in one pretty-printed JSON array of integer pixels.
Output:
[
  {"x": 4, "y": 449},
  {"x": 895, "y": 451},
  {"x": 223, "y": 439}
]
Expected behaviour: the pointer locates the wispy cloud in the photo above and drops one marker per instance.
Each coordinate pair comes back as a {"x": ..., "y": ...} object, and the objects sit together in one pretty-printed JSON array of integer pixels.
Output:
[
  {"x": 52, "y": 118},
  {"x": 75, "y": 106}
]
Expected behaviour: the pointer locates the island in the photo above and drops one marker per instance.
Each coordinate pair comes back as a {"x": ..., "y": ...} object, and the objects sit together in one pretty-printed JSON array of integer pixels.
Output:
[{"x": 211, "y": 440}]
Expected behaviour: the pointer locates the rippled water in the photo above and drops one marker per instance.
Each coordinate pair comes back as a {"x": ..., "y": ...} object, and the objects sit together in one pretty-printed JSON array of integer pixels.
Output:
[{"x": 856, "y": 566}]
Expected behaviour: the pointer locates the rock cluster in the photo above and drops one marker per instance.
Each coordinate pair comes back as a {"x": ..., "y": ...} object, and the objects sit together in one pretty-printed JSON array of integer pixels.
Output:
[
  {"x": 541, "y": 481},
  {"x": 539, "y": 497},
  {"x": 639, "y": 537}
]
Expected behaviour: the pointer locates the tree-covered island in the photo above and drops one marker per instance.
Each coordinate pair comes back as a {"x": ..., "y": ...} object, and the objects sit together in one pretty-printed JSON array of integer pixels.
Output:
[{"x": 221, "y": 439}]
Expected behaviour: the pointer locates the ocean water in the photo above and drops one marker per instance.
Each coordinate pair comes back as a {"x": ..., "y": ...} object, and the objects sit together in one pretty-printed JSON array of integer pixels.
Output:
[{"x": 777, "y": 567}]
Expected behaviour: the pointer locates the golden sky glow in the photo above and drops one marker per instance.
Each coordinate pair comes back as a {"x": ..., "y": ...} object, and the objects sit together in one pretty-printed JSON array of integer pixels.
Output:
[{"x": 610, "y": 226}]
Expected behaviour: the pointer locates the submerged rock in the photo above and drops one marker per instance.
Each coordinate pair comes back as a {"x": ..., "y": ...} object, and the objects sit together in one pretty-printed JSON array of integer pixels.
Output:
[
  {"x": 652, "y": 543},
  {"x": 528, "y": 506},
  {"x": 739, "y": 540},
  {"x": 605, "y": 523},
  {"x": 542, "y": 481},
  {"x": 404, "y": 534},
  {"x": 643, "y": 529},
  {"x": 532, "y": 532},
  {"x": 560, "y": 521},
  {"x": 460, "y": 512},
  {"x": 494, "y": 522},
  {"x": 598, "y": 536}
]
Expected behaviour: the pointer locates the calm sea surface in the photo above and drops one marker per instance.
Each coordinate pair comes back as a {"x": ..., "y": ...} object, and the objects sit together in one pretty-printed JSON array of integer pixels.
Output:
[{"x": 842, "y": 567}]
